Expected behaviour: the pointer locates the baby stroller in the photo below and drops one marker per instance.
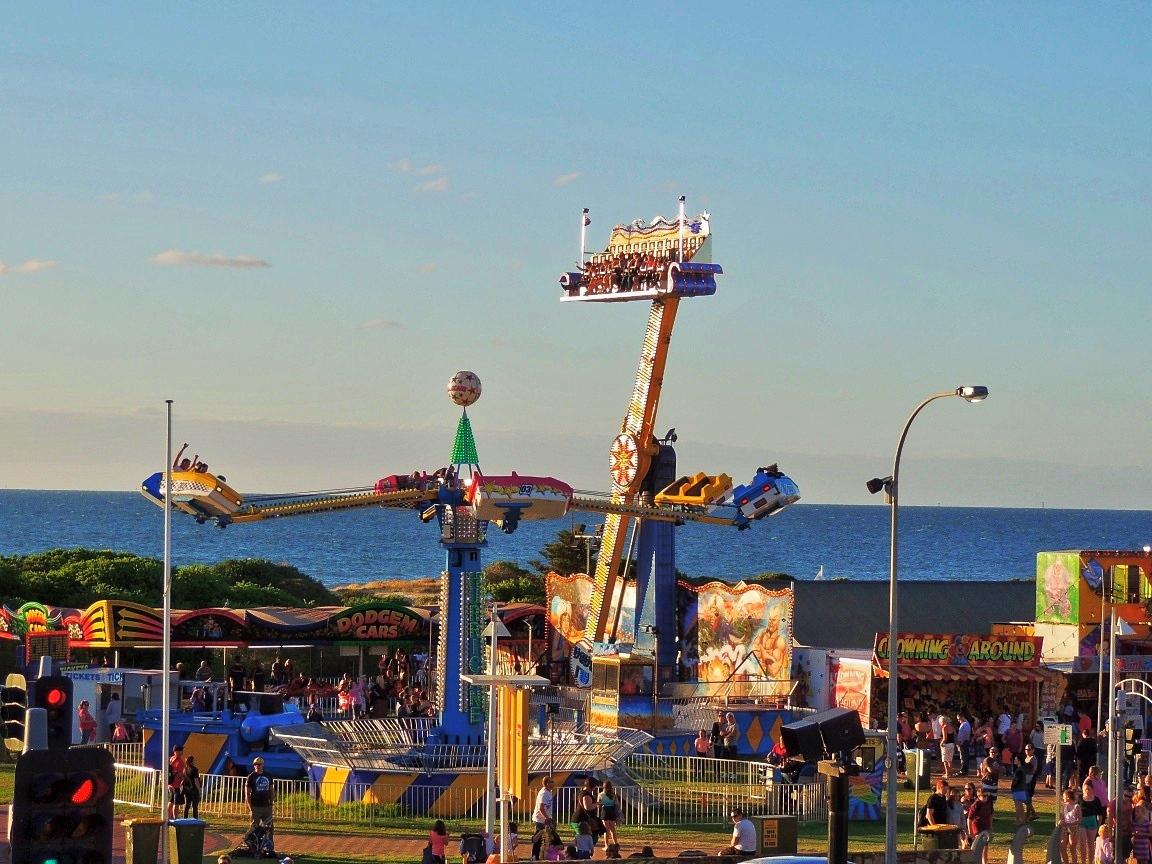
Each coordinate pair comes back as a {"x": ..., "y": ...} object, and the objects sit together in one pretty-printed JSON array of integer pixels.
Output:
[{"x": 260, "y": 841}]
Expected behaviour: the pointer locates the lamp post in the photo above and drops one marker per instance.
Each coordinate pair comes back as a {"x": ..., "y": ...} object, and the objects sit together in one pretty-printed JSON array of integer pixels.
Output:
[
  {"x": 890, "y": 485},
  {"x": 495, "y": 631},
  {"x": 1117, "y": 740}
]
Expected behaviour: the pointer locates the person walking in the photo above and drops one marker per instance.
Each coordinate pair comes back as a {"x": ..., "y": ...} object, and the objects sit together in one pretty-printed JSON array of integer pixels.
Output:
[
  {"x": 542, "y": 815},
  {"x": 1033, "y": 766},
  {"x": 606, "y": 807},
  {"x": 113, "y": 713},
  {"x": 86, "y": 722},
  {"x": 191, "y": 788},
  {"x": 259, "y": 794}
]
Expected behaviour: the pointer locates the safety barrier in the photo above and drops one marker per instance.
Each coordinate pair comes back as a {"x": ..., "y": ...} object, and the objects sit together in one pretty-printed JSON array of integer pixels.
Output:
[
  {"x": 353, "y": 803},
  {"x": 136, "y": 786}
]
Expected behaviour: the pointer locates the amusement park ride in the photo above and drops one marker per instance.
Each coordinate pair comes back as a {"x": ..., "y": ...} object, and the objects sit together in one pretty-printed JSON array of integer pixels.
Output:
[{"x": 661, "y": 263}]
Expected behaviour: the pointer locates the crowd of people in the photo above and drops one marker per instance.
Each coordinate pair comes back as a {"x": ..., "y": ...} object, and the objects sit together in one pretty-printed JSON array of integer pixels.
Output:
[
  {"x": 644, "y": 268},
  {"x": 1000, "y": 751},
  {"x": 399, "y": 689}
]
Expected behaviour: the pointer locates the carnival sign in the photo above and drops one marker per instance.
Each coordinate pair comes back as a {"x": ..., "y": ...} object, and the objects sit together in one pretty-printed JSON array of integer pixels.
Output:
[
  {"x": 377, "y": 622},
  {"x": 961, "y": 649}
]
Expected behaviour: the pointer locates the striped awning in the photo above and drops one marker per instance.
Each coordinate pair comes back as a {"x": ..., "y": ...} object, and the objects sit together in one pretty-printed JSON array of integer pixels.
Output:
[{"x": 967, "y": 673}]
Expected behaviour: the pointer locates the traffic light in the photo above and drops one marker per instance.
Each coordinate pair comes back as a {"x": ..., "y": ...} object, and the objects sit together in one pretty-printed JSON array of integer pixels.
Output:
[
  {"x": 13, "y": 705},
  {"x": 54, "y": 695},
  {"x": 62, "y": 808}
]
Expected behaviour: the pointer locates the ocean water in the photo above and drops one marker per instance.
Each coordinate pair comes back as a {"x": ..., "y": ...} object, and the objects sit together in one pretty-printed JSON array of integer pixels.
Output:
[{"x": 851, "y": 542}]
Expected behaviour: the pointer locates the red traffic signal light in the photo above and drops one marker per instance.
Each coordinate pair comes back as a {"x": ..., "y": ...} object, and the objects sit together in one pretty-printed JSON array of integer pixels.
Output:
[
  {"x": 54, "y": 694},
  {"x": 62, "y": 807}
]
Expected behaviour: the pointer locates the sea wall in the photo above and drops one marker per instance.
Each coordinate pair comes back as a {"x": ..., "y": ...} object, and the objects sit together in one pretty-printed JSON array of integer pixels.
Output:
[{"x": 841, "y": 614}]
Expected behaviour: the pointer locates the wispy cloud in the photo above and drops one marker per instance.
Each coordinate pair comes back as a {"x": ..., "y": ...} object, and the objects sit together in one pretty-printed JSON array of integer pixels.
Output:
[
  {"x": 429, "y": 170},
  {"x": 380, "y": 324},
  {"x": 430, "y": 267},
  {"x": 565, "y": 179},
  {"x": 142, "y": 197},
  {"x": 178, "y": 258},
  {"x": 32, "y": 265},
  {"x": 401, "y": 166},
  {"x": 270, "y": 177},
  {"x": 437, "y": 185}
]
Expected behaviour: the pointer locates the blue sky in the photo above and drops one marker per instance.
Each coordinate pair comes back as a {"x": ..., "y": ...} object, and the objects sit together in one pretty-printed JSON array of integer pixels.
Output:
[{"x": 298, "y": 221}]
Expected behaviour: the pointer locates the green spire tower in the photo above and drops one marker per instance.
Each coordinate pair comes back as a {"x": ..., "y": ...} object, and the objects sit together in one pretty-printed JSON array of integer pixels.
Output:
[{"x": 464, "y": 447}]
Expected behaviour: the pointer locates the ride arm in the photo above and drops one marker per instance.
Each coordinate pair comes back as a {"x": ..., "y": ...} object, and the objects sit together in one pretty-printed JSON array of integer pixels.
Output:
[{"x": 326, "y": 504}]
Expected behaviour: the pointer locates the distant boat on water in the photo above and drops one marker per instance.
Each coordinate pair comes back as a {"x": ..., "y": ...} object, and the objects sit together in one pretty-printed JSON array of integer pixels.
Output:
[{"x": 820, "y": 573}]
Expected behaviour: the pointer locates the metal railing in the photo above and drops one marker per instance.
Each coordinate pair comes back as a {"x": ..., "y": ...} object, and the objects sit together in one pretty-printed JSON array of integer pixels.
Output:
[
  {"x": 362, "y": 803},
  {"x": 136, "y": 786}
]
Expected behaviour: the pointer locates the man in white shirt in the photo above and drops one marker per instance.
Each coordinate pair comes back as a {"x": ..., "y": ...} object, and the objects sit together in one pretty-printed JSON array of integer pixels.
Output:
[
  {"x": 743, "y": 836},
  {"x": 964, "y": 741},
  {"x": 1003, "y": 724},
  {"x": 542, "y": 814}
]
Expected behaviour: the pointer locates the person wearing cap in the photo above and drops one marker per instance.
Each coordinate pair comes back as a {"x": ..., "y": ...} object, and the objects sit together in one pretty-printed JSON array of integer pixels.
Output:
[
  {"x": 743, "y": 836},
  {"x": 259, "y": 794}
]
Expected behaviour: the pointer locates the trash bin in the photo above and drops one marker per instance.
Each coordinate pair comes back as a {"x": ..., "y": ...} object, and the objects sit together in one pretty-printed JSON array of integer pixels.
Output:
[
  {"x": 776, "y": 835},
  {"x": 141, "y": 840},
  {"x": 917, "y": 762},
  {"x": 936, "y": 837},
  {"x": 186, "y": 841}
]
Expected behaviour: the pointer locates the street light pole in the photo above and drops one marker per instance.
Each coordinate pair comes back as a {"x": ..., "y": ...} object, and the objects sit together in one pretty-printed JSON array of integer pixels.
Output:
[{"x": 891, "y": 487}]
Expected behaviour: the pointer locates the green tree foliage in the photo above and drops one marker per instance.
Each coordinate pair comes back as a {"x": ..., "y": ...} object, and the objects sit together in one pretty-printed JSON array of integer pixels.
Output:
[
  {"x": 79, "y": 577},
  {"x": 564, "y": 555},
  {"x": 508, "y": 582}
]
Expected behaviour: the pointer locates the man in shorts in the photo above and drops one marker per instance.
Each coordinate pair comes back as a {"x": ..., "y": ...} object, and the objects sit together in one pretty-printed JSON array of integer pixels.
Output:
[
  {"x": 259, "y": 794},
  {"x": 176, "y": 770}
]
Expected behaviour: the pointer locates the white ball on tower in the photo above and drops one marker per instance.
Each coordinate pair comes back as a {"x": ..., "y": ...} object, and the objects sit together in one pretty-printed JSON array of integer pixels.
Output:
[{"x": 464, "y": 388}]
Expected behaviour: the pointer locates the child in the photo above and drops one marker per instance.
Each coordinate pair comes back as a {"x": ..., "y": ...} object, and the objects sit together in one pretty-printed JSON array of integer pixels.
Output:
[
  {"x": 1070, "y": 828},
  {"x": 584, "y": 843},
  {"x": 556, "y": 849},
  {"x": 1105, "y": 850},
  {"x": 438, "y": 842}
]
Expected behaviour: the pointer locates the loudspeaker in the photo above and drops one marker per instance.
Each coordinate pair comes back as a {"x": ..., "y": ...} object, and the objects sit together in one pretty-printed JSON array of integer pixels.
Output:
[
  {"x": 803, "y": 739},
  {"x": 836, "y": 730},
  {"x": 841, "y": 730}
]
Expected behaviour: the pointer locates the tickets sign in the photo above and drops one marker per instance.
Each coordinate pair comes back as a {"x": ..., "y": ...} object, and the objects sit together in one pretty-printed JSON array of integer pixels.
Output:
[{"x": 961, "y": 649}]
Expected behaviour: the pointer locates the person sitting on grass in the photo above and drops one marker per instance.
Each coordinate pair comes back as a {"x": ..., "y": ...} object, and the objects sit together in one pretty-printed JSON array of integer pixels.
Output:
[{"x": 743, "y": 836}]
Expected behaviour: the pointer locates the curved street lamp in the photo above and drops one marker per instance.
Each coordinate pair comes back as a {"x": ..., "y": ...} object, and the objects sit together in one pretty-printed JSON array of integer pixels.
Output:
[{"x": 890, "y": 485}]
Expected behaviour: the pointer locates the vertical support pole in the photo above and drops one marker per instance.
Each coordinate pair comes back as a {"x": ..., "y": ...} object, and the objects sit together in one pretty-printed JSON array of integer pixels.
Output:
[
  {"x": 166, "y": 640},
  {"x": 837, "y": 813},
  {"x": 680, "y": 235},
  {"x": 490, "y": 798},
  {"x": 584, "y": 220},
  {"x": 1113, "y": 712}
]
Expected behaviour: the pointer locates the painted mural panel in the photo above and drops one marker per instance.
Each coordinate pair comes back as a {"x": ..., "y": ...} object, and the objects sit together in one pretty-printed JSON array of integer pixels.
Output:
[
  {"x": 1057, "y": 587},
  {"x": 736, "y": 631}
]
